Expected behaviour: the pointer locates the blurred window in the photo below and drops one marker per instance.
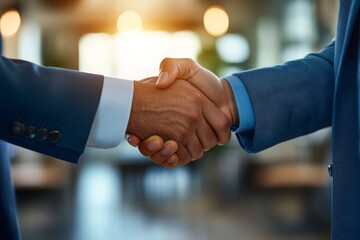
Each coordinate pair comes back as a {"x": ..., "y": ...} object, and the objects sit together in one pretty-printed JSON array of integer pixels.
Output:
[{"x": 134, "y": 55}]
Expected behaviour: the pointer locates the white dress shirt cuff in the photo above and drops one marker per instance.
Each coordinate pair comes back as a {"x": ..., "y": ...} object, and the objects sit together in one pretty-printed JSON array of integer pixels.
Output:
[{"x": 112, "y": 115}]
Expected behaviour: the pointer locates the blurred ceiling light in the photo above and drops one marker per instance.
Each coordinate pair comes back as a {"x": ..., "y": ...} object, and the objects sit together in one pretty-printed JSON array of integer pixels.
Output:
[
  {"x": 216, "y": 21},
  {"x": 129, "y": 21},
  {"x": 10, "y": 23},
  {"x": 233, "y": 48}
]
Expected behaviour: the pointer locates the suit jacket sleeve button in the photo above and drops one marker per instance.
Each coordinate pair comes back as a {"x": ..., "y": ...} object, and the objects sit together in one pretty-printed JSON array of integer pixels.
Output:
[
  {"x": 42, "y": 134},
  {"x": 330, "y": 170},
  {"x": 54, "y": 136},
  {"x": 17, "y": 128},
  {"x": 30, "y": 132}
]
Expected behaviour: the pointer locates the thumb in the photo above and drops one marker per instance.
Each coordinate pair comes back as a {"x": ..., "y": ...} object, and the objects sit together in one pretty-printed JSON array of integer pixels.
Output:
[
  {"x": 165, "y": 80},
  {"x": 175, "y": 68},
  {"x": 186, "y": 69}
]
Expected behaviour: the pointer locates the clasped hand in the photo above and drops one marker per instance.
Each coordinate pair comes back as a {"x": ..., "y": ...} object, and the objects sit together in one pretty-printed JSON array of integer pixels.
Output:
[{"x": 177, "y": 117}]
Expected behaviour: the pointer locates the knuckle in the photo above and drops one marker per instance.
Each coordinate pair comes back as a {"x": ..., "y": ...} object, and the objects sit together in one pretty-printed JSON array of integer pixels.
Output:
[
  {"x": 228, "y": 136},
  {"x": 185, "y": 160},
  {"x": 156, "y": 158},
  {"x": 199, "y": 155},
  {"x": 188, "y": 61},
  {"x": 197, "y": 97},
  {"x": 172, "y": 164},
  {"x": 194, "y": 116},
  {"x": 225, "y": 138},
  {"x": 197, "y": 152},
  {"x": 165, "y": 62},
  {"x": 156, "y": 161},
  {"x": 211, "y": 143},
  {"x": 144, "y": 152},
  {"x": 224, "y": 124},
  {"x": 181, "y": 134}
]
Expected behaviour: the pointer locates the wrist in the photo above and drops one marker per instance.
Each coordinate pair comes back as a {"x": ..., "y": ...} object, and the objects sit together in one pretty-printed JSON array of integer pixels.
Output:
[
  {"x": 230, "y": 103},
  {"x": 136, "y": 102}
]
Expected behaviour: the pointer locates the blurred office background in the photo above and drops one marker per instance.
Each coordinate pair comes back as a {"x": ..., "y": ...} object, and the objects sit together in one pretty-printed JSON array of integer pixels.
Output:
[{"x": 281, "y": 193}]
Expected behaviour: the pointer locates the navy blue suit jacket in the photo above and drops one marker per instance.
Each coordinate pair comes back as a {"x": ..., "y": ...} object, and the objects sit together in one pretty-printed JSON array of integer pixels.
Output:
[
  {"x": 48, "y": 110},
  {"x": 305, "y": 95}
]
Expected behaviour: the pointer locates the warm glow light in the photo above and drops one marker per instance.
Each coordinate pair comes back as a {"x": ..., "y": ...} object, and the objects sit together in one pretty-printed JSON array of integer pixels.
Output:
[
  {"x": 10, "y": 23},
  {"x": 216, "y": 21},
  {"x": 134, "y": 55},
  {"x": 96, "y": 53},
  {"x": 129, "y": 21},
  {"x": 138, "y": 54}
]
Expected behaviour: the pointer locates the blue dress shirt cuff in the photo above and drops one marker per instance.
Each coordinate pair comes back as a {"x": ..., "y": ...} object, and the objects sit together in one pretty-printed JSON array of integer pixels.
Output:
[{"x": 244, "y": 105}]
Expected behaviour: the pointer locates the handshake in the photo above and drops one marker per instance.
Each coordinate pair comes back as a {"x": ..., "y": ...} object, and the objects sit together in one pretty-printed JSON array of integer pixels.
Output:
[{"x": 181, "y": 114}]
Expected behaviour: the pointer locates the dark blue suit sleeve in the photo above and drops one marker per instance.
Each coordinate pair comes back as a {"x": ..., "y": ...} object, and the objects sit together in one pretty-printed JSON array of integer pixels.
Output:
[
  {"x": 52, "y": 99},
  {"x": 289, "y": 100}
]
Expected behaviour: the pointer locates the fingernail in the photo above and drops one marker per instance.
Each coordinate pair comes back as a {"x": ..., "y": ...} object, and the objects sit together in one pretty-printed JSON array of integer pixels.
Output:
[
  {"x": 129, "y": 140},
  {"x": 153, "y": 146},
  {"x": 162, "y": 78},
  {"x": 128, "y": 137},
  {"x": 167, "y": 150}
]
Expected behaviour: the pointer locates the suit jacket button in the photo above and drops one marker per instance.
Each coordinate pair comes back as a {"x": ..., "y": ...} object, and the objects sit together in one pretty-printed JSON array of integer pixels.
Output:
[
  {"x": 30, "y": 132},
  {"x": 42, "y": 134},
  {"x": 330, "y": 170},
  {"x": 54, "y": 136},
  {"x": 17, "y": 128}
]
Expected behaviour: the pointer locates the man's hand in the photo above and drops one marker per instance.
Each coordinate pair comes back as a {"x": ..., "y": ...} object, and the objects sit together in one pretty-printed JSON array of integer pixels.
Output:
[
  {"x": 217, "y": 90},
  {"x": 180, "y": 113},
  {"x": 207, "y": 82},
  {"x": 154, "y": 147}
]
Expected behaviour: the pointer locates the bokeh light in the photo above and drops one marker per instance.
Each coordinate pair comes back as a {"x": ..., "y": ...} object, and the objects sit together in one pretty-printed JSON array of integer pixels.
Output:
[
  {"x": 233, "y": 48},
  {"x": 129, "y": 21},
  {"x": 97, "y": 46},
  {"x": 10, "y": 23},
  {"x": 134, "y": 54},
  {"x": 216, "y": 21}
]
